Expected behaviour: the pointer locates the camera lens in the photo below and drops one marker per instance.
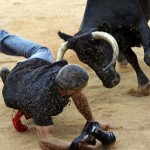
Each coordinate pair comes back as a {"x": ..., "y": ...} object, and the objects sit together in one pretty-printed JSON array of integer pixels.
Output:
[{"x": 107, "y": 138}]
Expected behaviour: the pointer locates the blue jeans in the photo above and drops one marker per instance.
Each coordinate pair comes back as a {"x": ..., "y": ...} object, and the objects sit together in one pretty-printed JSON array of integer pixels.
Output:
[{"x": 18, "y": 46}]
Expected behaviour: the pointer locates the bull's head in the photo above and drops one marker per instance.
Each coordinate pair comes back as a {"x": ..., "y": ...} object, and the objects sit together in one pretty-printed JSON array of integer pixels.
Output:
[{"x": 93, "y": 49}]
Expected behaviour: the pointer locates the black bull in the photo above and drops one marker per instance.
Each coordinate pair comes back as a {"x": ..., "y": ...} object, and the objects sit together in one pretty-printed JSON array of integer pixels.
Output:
[{"x": 126, "y": 21}]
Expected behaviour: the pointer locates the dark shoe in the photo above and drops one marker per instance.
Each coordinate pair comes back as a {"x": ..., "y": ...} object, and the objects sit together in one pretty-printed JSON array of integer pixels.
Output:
[{"x": 4, "y": 73}]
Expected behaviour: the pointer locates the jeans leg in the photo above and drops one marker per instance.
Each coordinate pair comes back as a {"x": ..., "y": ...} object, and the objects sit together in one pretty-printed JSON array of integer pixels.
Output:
[
  {"x": 18, "y": 46},
  {"x": 4, "y": 48}
]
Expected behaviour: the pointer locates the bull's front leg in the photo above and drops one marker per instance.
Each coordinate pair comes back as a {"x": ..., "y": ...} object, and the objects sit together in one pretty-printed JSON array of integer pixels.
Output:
[
  {"x": 143, "y": 81},
  {"x": 122, "y": 60},
  {"x": 145, "y": 40}
]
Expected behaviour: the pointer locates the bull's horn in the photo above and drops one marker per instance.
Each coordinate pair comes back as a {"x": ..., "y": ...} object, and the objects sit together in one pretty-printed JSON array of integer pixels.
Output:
[
  {"x": 62, "y": 51},
  {"x": 110, "y": 39}
]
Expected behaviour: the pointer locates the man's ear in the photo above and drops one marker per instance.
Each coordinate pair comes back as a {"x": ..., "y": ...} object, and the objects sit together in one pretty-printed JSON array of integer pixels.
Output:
[
  {"x": 64, "y": 36},
  {"x": 105, "y": 27}
]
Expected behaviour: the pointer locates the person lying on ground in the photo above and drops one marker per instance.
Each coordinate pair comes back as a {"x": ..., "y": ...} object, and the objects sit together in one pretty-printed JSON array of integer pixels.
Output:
[{"x": 40, "y": 88}]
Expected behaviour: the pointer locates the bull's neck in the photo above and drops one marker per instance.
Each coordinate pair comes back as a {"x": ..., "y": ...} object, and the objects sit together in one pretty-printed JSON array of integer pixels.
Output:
[{"x": 92, "y": 11}]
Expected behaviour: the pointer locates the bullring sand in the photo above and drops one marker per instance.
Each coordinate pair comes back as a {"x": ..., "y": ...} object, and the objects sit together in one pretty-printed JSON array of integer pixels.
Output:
[{"x": 40, "y": 21}]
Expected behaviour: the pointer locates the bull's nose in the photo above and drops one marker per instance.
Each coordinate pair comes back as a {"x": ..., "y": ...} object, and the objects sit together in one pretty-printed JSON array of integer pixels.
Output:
[
  {"x": 116, "y": 81},
  {"x": 112, "y": 83}
]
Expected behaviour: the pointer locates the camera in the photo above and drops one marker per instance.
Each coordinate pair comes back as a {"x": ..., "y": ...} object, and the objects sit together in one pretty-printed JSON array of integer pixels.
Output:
[{"x": 94, "y": 132}]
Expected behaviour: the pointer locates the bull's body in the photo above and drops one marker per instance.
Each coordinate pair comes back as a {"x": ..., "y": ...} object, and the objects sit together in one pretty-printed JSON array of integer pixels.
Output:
[
  {"x": 118, "y": 13},
  {"x": 126, "y": 21},
  {"x": 145, "y": 5}
]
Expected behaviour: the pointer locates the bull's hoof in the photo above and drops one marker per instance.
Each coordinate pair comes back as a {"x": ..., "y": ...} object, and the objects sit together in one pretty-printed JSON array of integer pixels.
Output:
[
  {"x": 147, "y": 58},
  {"x": 142, "y": 91}
]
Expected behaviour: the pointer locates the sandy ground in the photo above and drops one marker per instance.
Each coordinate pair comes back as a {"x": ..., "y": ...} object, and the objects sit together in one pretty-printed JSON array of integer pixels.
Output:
[{"x": 40, "y": 21}]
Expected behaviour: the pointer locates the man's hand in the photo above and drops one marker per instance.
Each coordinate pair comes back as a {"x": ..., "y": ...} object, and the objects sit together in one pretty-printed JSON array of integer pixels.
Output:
[{"x": 108, "y": 126}]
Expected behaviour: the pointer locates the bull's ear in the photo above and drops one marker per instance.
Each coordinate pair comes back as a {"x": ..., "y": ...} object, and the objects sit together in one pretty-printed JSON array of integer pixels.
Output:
[
  {"x": 64, "y": 36},
  {"x": 72, "y": 43},
  {"x": 105, "y": 26}
]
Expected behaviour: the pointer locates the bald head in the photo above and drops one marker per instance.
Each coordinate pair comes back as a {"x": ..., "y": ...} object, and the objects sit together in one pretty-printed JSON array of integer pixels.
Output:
[{"x": 72, "y": 76}]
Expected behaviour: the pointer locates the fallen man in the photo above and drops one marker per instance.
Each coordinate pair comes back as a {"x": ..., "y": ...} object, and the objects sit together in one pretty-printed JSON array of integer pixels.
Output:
[{"x": 40, "y": 88}]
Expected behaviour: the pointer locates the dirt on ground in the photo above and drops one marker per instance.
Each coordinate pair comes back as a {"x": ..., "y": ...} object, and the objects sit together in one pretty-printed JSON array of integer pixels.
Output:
[{"x": 40, "y": 21}]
